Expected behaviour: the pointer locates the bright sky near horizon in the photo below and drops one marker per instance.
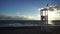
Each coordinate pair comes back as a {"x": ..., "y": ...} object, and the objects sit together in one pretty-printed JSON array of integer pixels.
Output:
[{"x": 26, "y": 8}]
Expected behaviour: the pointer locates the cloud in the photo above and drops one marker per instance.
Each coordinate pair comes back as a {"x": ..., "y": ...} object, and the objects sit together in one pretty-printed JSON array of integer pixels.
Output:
[
  {"x": 53, "y": 15},
  {"x": 54, "y": 12},
  {"x": 19, "y": 17},
  {"x": 6, "y": 17}
]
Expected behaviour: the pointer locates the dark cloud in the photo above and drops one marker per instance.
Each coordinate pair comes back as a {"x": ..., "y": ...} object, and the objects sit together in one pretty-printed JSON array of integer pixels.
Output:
[
  {"x": 6, "y": 17},
  {"x": 52, "y": 8}
]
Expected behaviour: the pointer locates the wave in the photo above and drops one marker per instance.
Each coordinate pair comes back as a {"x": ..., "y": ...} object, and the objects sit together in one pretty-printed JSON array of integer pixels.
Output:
[{"x": 18, "y": 25}]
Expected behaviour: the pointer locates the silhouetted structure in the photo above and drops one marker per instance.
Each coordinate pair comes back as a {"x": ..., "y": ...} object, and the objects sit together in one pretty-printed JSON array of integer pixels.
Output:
[{"x": 44, "y": 15}]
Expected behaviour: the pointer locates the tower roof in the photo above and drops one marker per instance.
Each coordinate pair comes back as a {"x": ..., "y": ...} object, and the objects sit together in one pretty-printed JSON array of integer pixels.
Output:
[{"x": 51, "y": 8}]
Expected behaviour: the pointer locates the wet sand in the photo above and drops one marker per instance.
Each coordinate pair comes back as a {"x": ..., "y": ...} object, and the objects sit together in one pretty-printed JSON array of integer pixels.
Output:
[{"x": 29, "y": 30}]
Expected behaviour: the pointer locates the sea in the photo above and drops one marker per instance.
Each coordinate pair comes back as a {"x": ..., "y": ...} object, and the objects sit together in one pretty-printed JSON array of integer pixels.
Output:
[
  {"x": 23, "y": 23},
  {"x": 33, "y": 25},
  {"x": 19, "y": 23}
]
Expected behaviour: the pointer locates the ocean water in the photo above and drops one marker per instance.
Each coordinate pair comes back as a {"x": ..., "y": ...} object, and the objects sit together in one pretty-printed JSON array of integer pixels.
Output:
[
  {"x": 19, "y": 23},
  {"x": 33, "y": 23}
]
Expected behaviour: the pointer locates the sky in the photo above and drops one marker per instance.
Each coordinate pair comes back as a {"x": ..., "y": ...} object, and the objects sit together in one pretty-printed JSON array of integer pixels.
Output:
[{"x": 24, "y": 8}]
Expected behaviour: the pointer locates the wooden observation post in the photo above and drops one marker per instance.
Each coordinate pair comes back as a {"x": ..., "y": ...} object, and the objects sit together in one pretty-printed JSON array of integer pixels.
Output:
[
  {"x": 44, "y": 15},
  {"x": 44, "y": 12}
]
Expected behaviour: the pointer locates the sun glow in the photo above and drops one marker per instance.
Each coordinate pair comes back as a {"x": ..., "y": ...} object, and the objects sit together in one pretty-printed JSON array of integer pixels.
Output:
[{"x": 52, "y": 16}]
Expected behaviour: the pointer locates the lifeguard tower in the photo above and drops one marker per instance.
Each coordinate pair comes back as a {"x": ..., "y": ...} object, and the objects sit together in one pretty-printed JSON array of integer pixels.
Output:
[
  {"x": 44, "y": 12},
  {"x": 44, "y": 15}
]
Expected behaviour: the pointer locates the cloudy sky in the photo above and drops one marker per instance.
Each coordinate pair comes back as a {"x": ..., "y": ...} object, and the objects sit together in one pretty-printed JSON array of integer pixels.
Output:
[{"x": 24, "y": 9}]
